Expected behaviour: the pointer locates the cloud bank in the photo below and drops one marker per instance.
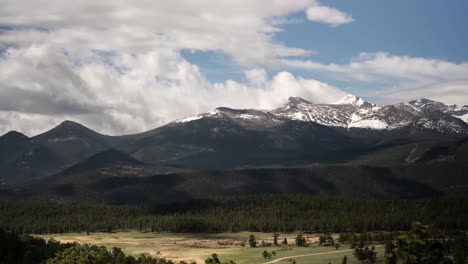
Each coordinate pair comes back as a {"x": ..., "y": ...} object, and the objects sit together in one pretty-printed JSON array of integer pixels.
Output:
[
  {"x": 415, "y": 77},
  {"x": 455, "y": 92},
  {"x": 129, "y": 93},
  {"x": 241, "y": 29}
]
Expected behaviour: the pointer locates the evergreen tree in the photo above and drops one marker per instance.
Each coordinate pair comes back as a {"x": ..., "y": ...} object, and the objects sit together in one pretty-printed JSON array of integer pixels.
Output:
[
  {"x": 322, "y": 240},
  {"x": 275, "y": 238},
  {"x": 252, "y": 241},
  {"x": 213, "y": 260},
  {"x": 300, "y": 240},
  {"x": 417, "y": 246},
  {"x": 345, "y": 260},
  {"x": 365, "y": 254},
  {"x": 254, "y": 213}
]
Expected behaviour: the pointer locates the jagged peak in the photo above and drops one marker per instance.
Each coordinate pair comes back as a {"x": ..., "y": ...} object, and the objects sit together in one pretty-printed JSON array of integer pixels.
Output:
[
  {"x": 350, "y": 99},
  {"x": 423, "y": 103},
  {"x": 427, "y": 105}
]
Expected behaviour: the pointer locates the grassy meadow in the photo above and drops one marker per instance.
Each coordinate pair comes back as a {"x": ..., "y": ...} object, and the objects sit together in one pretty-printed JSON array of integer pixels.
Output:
[{"x": 228, "y": 246}]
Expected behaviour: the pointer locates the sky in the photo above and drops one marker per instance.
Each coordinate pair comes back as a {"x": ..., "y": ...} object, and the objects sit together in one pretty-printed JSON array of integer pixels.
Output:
[{"x": 122, "y": 67}]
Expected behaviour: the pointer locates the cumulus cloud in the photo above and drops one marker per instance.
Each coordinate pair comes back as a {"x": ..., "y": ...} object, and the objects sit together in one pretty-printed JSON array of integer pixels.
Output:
[
  {"x": 116, "y": 66},
  {"x": 328, "y": 15},
  {"x": 242, "y": 29},
  {"x": 127, "y": 93},
  {"x": 256, "y": 76}
]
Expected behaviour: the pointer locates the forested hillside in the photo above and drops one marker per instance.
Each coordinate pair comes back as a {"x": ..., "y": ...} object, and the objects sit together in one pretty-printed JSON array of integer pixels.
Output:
[{"x": 249, "y": 213}]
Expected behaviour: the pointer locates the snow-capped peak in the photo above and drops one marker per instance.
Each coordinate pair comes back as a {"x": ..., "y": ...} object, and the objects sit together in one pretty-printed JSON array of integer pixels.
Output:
[
  {"x": 350, "y": 112},
  {"x": 429, "y": 106},
  {"x": 350, "y": 99}
]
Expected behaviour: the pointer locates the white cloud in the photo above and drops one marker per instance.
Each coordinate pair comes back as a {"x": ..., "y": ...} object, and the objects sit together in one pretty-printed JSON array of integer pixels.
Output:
[
  {"x": 256, "y": 76},
  {"x": 31, "y": 124},
  {"x": 386, "y": 72},
  {"x": 128, "y": 93},
  {"x": 382, "y": 67},
  {"x": 455, "y": 92},
  {"x": 242, "y": 29},
  {"x": 328, "y": 15}
]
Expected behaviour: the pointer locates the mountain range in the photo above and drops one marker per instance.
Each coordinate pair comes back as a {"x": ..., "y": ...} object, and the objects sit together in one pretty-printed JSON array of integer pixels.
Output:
[{"x": 241, "y": 147}]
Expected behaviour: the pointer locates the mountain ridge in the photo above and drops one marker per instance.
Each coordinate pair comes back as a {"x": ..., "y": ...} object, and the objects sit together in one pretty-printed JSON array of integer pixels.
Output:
[
  {"x": 420, "y": 106},
  {"x": 299, "y": 132},
  {"x": 354, "y": 112}
]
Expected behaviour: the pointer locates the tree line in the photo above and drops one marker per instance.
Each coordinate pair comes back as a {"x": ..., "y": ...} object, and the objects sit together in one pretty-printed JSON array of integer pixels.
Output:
[{"x": 266, "y": 213}]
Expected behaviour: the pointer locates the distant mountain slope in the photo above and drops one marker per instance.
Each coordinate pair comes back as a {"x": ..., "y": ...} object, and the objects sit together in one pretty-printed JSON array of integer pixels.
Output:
[
  {"x": 413, "y": 170},
  {"x": 22, "y": 159},
  {"x": 420, "y": 152},
  {"x": 221, "y": 140},
  {"x": 108, "y": 163},
  {"x": 298, "y": 132},
  {"x": 404, "y": 181},
  {"x": 84, "y": 180},
  {"x": 106, "y": 159},
  {"x": 73, "y": 141}
]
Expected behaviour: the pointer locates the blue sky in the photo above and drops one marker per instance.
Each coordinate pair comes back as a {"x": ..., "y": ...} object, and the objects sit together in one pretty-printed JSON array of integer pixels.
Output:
[
  {"x": 420, "y": 28},
  {"x": 416, "y": 28},
  {"x": 141, "y": 64}
]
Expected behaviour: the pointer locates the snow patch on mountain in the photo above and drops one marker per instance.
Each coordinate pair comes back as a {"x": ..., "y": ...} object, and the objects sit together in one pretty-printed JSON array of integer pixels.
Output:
[
  {"x": 369, "y": 118},
  {"x": 357, "y": 122},
  {"x": 350, "y": 99},
  {"x": 249, "y": 116},
  {"x": 212, "y": 113},
  {"x": 462, "y": 117},
  {"x": 189, "y": 119}
]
